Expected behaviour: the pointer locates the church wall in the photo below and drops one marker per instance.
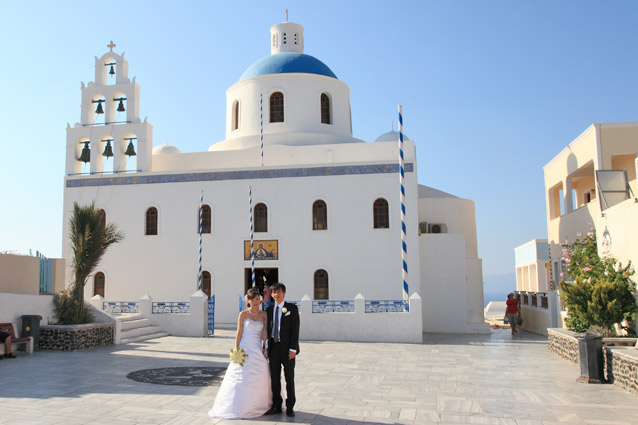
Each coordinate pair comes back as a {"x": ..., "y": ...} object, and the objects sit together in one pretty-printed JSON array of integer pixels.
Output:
[
  {"x": 475, "y": 299},
  {"x": 443, "y": 283},
  {"x": 457, "y": 213},
  {"x": 358, "y": 258}
]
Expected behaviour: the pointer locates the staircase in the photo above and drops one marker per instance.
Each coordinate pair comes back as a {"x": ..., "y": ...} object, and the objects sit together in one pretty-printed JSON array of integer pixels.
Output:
[{"x": 136, "y": 328}]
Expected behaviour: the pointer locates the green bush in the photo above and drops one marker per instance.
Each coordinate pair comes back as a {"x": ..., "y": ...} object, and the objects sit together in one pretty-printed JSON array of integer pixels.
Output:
[
  {"x": 601, "y": 292},
  {"x": 67, "y": 310}
]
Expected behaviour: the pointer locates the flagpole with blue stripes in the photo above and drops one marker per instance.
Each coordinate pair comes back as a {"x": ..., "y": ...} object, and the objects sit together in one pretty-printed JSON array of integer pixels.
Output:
[
  {"x": 261, "y": 127},
  {"x": 252, "y": 246},
  {"x": 201, "y": 214},
  {"x": 404, "y": 246}
]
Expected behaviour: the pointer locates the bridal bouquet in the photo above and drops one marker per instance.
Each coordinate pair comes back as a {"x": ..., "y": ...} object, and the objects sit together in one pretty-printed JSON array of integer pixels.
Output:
[{"x": 238, "y": 356}]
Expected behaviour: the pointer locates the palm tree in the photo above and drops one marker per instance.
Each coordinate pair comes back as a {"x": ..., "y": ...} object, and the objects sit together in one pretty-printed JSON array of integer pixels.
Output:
[{"x": 90, "y": 238}]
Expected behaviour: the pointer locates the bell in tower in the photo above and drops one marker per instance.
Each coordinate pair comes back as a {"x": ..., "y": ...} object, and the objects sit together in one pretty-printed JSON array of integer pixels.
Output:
[{"x": 85, "y": 156}]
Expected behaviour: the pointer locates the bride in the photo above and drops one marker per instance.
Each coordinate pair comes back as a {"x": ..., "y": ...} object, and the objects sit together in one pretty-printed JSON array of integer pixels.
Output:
[{"x": 245, "y": 391}]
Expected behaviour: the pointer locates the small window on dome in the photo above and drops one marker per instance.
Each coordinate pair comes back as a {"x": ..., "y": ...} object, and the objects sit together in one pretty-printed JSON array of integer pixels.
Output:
[
  {"x": 284, "y": 38},
  {"x": 277, "y": 107},
  {"x": 235, "y": 123},
  {"x": 296, "y": 38},
  {"x": 325, "y": 109}
]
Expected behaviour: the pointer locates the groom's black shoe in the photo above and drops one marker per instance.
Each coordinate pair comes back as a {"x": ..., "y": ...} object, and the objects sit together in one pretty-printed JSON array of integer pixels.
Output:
[
  {"x": 290, "y": 412},
  {"x": 273, "y": 410}
]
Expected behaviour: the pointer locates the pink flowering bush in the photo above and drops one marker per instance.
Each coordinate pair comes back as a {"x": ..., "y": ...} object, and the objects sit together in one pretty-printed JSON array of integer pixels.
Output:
[{"x": 599, "y": 292}]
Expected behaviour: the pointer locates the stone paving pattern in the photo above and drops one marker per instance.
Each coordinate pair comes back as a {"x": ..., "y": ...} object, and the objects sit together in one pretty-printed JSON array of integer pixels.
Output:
[{"x": 449, "y": 379}]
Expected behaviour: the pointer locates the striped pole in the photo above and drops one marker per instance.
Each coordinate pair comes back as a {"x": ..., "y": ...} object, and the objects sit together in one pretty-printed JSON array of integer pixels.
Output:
[
  {"x": 404, "y": 246},
  {"x": 201, "y": 216},
  {"x": 261, "y": 128},
  {"x": 252, "y": 246}
]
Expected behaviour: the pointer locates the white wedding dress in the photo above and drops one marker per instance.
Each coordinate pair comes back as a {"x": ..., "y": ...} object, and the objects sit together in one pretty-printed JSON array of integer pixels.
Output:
[{"x": 245, "y": 391}]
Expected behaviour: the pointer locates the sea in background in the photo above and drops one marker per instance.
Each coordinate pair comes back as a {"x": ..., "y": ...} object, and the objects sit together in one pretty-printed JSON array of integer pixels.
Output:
[{"x": 496, "y": 287}]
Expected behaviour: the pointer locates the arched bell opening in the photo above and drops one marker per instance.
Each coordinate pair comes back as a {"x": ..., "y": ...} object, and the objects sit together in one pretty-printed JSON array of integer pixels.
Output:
[
  {"x": 129, "y": 153},
  {"x": 83, "y": 156},
  {"x": 119, "y": 106},
  {"x": 99, "y": 109},
  {"x": 110, "y": 71},
  {"x": 107, "y": 154}
]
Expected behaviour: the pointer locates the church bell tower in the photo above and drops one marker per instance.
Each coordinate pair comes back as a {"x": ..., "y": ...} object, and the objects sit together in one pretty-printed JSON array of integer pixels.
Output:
[{"x": 110, "y": 127}]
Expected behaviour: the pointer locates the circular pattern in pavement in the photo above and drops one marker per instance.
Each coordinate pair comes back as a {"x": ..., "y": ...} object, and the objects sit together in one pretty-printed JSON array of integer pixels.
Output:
[{"x": 182, "y": 376}]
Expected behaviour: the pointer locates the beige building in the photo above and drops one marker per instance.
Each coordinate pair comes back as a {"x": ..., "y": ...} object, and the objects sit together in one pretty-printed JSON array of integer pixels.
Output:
[
  {"x": 25, "y": 274},
  {"x": 532, "y": 266},
  {"x": 591, "y": 184}
]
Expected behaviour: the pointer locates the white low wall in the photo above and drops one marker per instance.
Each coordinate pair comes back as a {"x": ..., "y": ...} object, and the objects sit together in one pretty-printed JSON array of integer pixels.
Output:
[
  {"x": 14, "y": 306},
  {"x": 360, "y": 326},
  {"x": 400, "y": 327},
  {"x": 535, "y": 319},
  {"x": 194, "y": 323}
]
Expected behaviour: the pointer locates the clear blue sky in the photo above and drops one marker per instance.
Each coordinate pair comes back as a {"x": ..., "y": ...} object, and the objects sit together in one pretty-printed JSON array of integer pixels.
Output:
[{"x": 491, "y": 90}]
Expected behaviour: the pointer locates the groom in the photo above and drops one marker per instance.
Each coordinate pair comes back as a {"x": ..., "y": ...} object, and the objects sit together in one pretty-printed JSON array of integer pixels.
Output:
[{"x": 283, "y": 347}]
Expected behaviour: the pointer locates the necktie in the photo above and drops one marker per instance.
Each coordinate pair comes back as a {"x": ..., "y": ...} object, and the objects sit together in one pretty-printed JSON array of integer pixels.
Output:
[{"x": 276, "y": 326}]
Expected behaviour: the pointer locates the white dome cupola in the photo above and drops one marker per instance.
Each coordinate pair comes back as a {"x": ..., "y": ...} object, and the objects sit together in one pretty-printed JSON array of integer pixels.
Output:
[{"x": 286, "y": 38}]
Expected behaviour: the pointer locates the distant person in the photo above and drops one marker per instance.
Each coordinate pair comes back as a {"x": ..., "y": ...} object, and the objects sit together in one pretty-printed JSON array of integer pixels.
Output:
[{"x": 511, "y": 311}]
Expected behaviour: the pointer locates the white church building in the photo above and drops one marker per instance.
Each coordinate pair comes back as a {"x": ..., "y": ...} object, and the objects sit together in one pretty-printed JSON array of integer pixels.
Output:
[{"x": 326, "y": 205}]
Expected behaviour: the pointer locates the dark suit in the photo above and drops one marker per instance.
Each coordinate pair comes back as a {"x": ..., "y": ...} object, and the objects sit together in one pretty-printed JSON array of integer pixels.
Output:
[{"x": 278, "y": 353}]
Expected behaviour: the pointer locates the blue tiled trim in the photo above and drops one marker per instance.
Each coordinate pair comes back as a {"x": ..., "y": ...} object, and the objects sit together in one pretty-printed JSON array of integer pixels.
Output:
[
  {"x": 119, "y": 307},
  {"x": 171, "y": 308},
  {"x": 333, "y": 306},
  {"x": 387, "y": 306},
  {"x": 240, "y": 175}
]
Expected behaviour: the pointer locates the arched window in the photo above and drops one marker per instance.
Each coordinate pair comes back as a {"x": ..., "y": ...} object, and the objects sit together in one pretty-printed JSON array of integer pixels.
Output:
[
  {"x": 235, "y": 124},
  {"x": 207, "y": 219},
  {"x": 325, "y": 109},
  {"x": 261, "y": 218},
  {"x": 98, "y": 284},
  {"x": 381, "y": 216},
  {"x": 321, "y": 285},
  {"x": 102, "y": 218},
  {"x": 206, "y": 283},
  {"x": 277, "y": 106},
  {"x": 319, "y": 215},
  {"x": 151, "y": 221}
]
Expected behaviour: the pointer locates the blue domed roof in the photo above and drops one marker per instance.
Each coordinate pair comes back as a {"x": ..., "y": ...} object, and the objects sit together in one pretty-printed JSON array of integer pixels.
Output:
[{"x": 282, "y": 63}]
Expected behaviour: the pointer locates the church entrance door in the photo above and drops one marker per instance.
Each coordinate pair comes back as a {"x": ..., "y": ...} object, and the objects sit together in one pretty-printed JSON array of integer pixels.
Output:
[{"x": 264, "y": 277}]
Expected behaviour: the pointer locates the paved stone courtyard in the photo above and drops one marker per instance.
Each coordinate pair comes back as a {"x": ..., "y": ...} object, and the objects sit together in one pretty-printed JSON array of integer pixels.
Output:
[{"x": 450, "y": 379}]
